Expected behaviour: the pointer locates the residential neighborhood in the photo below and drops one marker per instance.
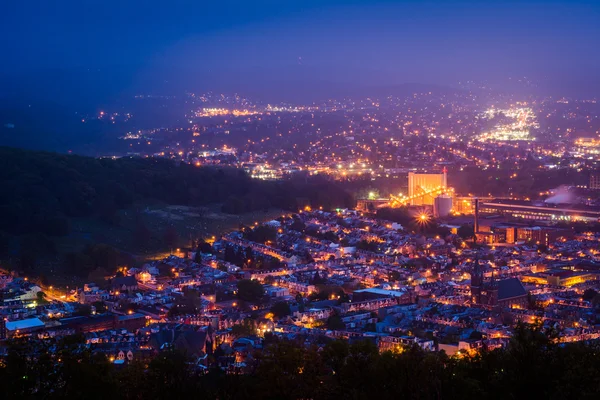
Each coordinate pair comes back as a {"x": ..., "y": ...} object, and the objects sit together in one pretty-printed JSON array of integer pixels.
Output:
[{"x": 320, "y": 275}]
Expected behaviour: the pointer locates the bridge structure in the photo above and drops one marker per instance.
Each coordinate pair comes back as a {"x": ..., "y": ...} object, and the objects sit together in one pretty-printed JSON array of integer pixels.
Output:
[
  {"x": 421, "y": 194},
  {"x": 423, "y": 189}
]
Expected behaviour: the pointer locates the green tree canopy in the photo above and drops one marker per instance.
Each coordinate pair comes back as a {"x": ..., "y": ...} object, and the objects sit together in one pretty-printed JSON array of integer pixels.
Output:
[{"x": 250, "y": 290}]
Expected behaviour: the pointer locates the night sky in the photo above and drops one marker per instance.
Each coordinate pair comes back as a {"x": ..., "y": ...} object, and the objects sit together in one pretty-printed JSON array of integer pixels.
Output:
[{"x": 366, "y": 42}]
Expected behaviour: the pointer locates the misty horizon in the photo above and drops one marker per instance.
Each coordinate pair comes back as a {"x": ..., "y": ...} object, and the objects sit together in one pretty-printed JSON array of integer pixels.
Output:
[{"x": 322, "y": 46}]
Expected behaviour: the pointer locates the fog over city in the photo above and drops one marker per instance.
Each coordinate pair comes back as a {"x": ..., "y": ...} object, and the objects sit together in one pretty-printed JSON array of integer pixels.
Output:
[{"x": 300, "y": 199}]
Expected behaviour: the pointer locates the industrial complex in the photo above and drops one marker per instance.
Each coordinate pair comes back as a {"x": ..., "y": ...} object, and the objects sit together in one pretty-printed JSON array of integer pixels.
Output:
[{"x": 495, "y": 220}]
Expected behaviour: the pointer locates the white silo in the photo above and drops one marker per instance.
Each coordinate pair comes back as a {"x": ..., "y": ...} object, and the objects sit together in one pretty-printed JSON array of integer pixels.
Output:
[{"x": 442, "y": 205}]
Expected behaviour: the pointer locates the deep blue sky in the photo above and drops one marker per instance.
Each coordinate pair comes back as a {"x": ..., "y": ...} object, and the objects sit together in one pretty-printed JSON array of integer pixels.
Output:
[{"x": 371, "y": 42}]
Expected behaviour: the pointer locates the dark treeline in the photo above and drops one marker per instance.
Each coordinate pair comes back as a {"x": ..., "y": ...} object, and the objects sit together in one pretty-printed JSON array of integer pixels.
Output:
[
  {"x": 43, "y": 191},
  {"x": 532, "y": 366}
]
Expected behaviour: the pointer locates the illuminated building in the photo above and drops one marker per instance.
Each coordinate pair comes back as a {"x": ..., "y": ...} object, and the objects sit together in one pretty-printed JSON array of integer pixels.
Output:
[
  {"x": 266, "y": 173},
  {"x": 463, "y": 205},
  {"x": 20, "y": 327},
  {"x": 527, "y": 210},
  {"x": 587, "y": 146},
  {"x": 595, "y": 181},
  {"x": 424, "y": 188},
  {"x": 489, "y": 237},
  {"x": 543, "y": 235},
  {"x": 560, "y": 277},
  {"x": 506, "y": 233}
]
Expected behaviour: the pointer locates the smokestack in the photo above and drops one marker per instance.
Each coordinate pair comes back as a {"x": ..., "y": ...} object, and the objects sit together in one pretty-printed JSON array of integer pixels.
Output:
[
  {"x": 445, "y": 181},
  {"x": 476, "y": 222}
]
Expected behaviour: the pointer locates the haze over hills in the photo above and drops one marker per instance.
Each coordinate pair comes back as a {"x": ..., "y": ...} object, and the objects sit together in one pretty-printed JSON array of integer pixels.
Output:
[
  {"x": 294, "y": 83},
  {"x": 95, "y": 86},
  {"x": 42, "y": 109}
]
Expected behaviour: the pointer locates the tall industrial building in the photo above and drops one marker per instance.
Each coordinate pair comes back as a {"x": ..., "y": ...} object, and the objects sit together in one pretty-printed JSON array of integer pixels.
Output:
[
  {"x": 595, "y": 181},
  {"x": 424, "y": 188}
]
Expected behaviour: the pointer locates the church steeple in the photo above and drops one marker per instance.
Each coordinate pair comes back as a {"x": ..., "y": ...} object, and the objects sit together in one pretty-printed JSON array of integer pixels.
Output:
[
  {"x": 476, "y": 281},
  {"x": 492, "y": 291},
  {"x": 476, "y": 269}
]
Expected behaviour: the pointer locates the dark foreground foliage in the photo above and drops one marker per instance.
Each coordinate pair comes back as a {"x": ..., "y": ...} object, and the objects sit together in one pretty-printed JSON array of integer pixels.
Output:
[{"x": 531, "y": 367}]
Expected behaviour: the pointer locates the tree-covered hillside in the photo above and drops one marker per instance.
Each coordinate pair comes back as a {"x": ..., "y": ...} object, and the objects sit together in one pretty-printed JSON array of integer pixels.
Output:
[
  {"x": 51, "y": 203},
  {"x": 42, "y": 191}
]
